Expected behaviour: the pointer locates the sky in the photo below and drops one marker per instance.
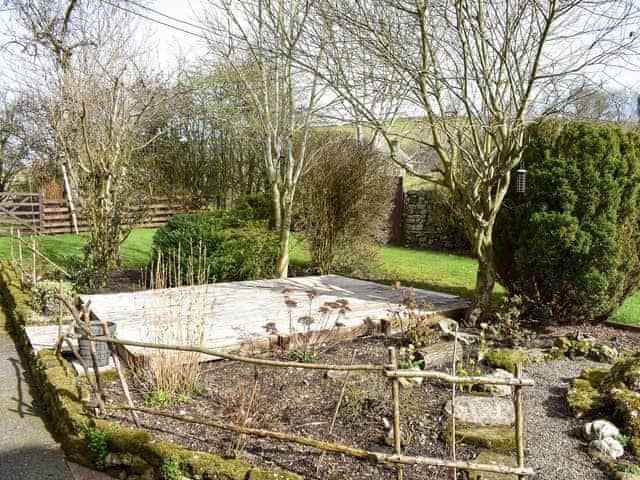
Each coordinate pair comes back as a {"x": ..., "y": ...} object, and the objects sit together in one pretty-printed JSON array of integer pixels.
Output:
[{"x": 168, "y": 44}]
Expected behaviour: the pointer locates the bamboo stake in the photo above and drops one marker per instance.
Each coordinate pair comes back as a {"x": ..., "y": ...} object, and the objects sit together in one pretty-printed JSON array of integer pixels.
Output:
[
  {"x": 34, "y": 248},
  {"x": 19, "y": 237},
  {"x": 335, "y": 412},
  {"x": 395, "y": 399},
  {"x": 517, "y": 400},
  {"x": 123, "y": 380},
  {"x": 453, "y": 402},
  {"x": 59, "y": 343},
  {"x": 374, "y": 457},
  {"x": 39, "y": 254},
  {"x": 445, "y": 377},
  {"x": 254, "y": 390},
  {"x": 86, "y": 317}
]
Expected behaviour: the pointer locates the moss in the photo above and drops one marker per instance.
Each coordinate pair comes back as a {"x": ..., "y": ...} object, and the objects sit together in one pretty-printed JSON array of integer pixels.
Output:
[
  {"x": 626, "y": 410},
  {"x": 594, "y": 376},
  {"x": 583, "y": 398},
  {"x": 496, "y": 437},
  {"x": 635, "y": 446},
  {"x": 624, "y": 374},
  {"x": 506, "y": 358},
  {"x": 493, "y": 458}
]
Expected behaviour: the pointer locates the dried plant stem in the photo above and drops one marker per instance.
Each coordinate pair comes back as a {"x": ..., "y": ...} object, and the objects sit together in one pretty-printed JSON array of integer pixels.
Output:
[
  {"x": 336, "y": 410},
  {"x": 123, "y": 380},
  {"x": 254, "y": 390}
]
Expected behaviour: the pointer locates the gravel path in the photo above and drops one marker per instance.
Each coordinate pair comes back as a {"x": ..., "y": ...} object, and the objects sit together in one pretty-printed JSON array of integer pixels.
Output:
[{"x": 554, "y": 450}]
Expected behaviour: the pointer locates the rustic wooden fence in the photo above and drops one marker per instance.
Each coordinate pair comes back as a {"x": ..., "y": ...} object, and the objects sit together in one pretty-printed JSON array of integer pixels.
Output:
[
  {"x": 31, "y": 212},
  {"x": 390, "y": 371}
]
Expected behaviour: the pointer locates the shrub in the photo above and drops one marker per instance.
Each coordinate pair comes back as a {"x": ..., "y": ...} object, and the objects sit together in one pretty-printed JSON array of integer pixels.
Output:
[
  {"x": 343, "y": 199},
  {"x": 43, "y": 295},
  {"x": 246, "y": 251},
  {"x": 571, "y": 244},
  {"x": 255, "y": 207}
]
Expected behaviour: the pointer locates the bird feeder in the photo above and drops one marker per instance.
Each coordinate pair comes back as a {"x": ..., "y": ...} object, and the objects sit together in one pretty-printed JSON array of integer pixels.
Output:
[{"x": 521, "y": 180}]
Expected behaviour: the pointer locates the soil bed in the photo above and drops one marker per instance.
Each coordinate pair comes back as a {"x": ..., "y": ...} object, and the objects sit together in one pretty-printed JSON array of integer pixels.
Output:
[{"x": 302, "y": 402}]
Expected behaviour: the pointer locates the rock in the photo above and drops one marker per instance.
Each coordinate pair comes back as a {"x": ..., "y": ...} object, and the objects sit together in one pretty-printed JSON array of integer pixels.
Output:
[
  {"x": 408, "y": 382},
  {"x": 624, "y": 374},
  {"x": 493, "y": 458},
  {"x": 337, "y": 374},
  {"x": 583, "y": 398},
  {"x": 537, "y": 355},
  {"x": 609, "y": 447},
  {"x": 493, "y": 437},
  {"x": 506, "y": 358},
  {"x": 499, "y": 390},
  {"x": 604, "y": 354},
  {"x": 599, "y": 430},
  {"x": 626, "y": 476},
  {"x": 574, "y": 345},
  {"x": 439, "y": 354},
  {"x": 481, "y": 411},
  {"x": 388, "y": 436}
]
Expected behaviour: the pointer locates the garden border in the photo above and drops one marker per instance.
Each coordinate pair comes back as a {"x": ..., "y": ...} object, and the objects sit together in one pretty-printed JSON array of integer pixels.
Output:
[{"x": 133, "y": 450}]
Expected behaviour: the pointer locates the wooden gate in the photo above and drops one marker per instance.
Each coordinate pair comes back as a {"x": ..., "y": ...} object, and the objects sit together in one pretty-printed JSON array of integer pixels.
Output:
[{"x": 20, "y": 211}]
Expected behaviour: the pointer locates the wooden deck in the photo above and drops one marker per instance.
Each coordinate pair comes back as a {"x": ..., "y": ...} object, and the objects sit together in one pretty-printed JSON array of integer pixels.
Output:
[{"x": 250, "y": 316}]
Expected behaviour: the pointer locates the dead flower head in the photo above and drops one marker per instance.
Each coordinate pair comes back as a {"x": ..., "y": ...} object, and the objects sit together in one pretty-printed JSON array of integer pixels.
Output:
[
  {"x": 290, "y": 302},
  {"x": 270, "y": 327},
  {"x": 311, "y": 293},
  {"x": 306, "y": 320}
]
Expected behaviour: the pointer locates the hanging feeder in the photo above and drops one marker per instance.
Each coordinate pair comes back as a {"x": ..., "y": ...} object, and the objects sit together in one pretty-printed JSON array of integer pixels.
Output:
[{"x": 521, "y": 179}]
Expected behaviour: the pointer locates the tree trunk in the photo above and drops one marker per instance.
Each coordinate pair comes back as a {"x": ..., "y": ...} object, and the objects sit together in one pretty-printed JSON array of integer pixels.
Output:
[{"x": 486, "y": 275}]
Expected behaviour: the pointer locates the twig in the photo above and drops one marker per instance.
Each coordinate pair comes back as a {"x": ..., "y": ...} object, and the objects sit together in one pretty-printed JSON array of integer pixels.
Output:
[
  {"x": 453, "y": 402},
  {"x": 335, "y": 412},
  {"x": 395, "y": 399}
]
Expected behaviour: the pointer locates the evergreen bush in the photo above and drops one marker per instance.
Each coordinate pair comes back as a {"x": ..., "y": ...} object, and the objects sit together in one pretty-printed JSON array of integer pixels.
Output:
[{"x": 570, "y": 245}]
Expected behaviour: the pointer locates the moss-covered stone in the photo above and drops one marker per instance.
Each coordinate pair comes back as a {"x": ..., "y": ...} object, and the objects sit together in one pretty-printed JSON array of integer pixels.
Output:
[
  {"x": 625, "y": 374},
  {"x": 634, "y": 442},
  {"x": 506, "y": 358},
  {"x": 626, "y": 410},
  {"x": 595, "y": 375},
  {"x": 493, "y": 458},
  {"x": 495, "y": 437},
  {"x": 583, "y": 398}
]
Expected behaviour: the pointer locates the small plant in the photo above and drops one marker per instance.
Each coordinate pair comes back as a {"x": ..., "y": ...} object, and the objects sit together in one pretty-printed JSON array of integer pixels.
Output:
[
  {"x": 159, "y": 398},
  {"x": 408, "y": 357},
  {"x": 622, "y": 439},
  {"x": 183, "y": 398},
  {"x": 283, "y": 385},
  {"x": 43, "y": 295},
  {"x": 97, "y": 443},
  {"x": 628, "y": 468},
  {"x": 170, "y": 468},
  {"x": 469, "y": 370},
  {"x": 304, "y": 355}
]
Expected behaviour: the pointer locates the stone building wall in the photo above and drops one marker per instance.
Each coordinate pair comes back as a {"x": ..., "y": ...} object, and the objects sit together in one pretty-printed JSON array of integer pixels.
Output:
[{"x": 429, "y": 222}]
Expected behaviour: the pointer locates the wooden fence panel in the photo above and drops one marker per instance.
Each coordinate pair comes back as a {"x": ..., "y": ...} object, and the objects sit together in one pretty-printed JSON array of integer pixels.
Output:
[{"x": 31, "y": 212}]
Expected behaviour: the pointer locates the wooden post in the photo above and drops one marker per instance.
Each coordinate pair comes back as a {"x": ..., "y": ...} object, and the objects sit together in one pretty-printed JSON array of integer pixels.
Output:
[
  {"x": 43, "y": 226},
  {"x": 395, "y": 399},
  {"x": 517, "y": 400},
  {"x": 454, "y": 386}
]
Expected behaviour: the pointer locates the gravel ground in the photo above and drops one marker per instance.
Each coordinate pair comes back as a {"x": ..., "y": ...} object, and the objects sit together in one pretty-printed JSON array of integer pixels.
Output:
[{"x": 554, "y": 449}]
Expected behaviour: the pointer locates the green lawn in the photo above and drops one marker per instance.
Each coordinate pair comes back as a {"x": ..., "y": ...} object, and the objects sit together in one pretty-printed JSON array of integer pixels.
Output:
[
  {"x": 629, "y": 312},
  {"x": 60, "y": 248},
  {"x": 423, "y": 269}
]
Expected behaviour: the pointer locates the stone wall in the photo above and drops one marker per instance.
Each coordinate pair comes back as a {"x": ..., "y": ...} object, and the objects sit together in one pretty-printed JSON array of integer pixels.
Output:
[{"x": 429, "y": 222}]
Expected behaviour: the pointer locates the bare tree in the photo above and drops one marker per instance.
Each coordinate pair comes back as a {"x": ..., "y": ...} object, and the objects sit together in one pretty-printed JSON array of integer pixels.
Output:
[
  {"x": 16, "y": 140},
  {"x": 475, "y": 73},
  {"x": 98, "y": 101},
  {"x": 259, "y": 39}
]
